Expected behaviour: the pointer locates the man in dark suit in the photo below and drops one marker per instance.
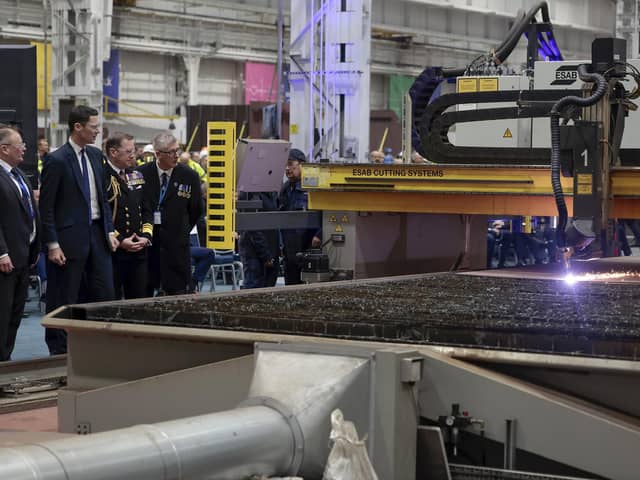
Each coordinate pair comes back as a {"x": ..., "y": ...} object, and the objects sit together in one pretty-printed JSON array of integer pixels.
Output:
[
  {"x": 19, "y": 242},
  {"x": 132, "y": 219},
  {"x": 76, "y": 222},
  {"x": 259, "y": 248},
  {"x": 172, "y": 191}
]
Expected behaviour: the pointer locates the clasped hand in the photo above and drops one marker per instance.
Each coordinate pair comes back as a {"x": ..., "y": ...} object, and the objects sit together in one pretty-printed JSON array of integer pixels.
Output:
[{"x": 134, "y": 243}]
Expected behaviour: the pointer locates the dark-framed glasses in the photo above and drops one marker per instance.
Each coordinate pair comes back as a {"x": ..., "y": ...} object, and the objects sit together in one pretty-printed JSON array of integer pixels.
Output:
[{"x": 173, "y": 151}]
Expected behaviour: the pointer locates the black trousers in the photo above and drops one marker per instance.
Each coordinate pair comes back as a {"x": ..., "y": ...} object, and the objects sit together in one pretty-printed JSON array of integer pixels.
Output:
[
  {"x": 292, "y": 270},
  {"x": 13, "y": 295},
  {"x": 92, "y": 275},
  {"x": 256, "y": 275},
  {"x": 130, "y": 274},
  {"x": 169, "y": 270}
]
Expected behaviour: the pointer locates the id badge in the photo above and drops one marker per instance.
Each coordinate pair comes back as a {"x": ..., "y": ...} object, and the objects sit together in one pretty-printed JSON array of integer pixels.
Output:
[{"x": 157, "y": 217}]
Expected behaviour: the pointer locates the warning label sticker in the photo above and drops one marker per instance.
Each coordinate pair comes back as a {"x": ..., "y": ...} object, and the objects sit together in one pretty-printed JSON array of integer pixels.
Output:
[
  {"x": 489, "y": 84},
  {"x": 585, "y": 184},
  {"x": 466, "y": 85},
  {"x": 507, "y": 134},
  {"x": 585, "y": 190},
  {"x": 585, "y": 178}
]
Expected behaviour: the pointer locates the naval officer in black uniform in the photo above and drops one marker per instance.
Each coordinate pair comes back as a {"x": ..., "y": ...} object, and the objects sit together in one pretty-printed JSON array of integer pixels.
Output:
[
  {"x": 132, "y": 219},
  {"x": 172, "y": 191}
]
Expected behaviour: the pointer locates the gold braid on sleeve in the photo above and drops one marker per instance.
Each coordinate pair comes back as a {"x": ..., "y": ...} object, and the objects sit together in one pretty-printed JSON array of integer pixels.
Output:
[{"x": 115, "y": 188}]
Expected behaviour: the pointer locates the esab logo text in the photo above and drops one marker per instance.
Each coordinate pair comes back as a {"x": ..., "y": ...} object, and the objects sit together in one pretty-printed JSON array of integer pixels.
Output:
[{"x": 566, "y": 75}]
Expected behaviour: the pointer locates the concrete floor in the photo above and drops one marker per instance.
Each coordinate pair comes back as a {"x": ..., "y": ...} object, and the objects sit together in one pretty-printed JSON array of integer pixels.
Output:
[{"x": 30, "y": 341}]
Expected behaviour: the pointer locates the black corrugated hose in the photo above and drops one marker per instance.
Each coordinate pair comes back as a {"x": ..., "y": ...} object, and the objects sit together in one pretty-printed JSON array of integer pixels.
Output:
[
  {"x": 519, "y": 26},
  {"x": 556, "y": 110},
  {"x": 504, "y": 50}
]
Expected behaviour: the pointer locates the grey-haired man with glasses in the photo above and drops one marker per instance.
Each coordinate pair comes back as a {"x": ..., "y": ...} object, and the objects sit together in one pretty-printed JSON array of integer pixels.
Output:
[{"x": 172, "y": 192}]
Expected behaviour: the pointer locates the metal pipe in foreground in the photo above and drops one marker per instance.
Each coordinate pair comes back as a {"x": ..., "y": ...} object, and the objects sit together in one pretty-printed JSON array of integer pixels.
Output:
[
  {"x": 510, "y": 445},
  {"x": 220, "y": 446}
]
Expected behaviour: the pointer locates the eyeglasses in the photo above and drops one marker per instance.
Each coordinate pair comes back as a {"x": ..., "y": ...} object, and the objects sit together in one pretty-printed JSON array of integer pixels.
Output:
[
  {"x": 17, "y": 145},
  {"x": 169, "y": 152},
  {"x": 128, "y": 152}
]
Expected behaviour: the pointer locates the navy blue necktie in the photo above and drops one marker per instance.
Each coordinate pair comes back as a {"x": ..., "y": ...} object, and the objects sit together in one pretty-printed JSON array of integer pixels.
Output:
[
  {"x": 26, "y": 198},
  {"x": 86, "y": 190},
  {"x": 163, "y": 189}
]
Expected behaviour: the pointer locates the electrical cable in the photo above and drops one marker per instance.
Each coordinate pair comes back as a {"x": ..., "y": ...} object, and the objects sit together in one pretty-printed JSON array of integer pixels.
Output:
[
  {"x": 556, "y": 111},
  {"x": 501, "y": 53},
  {"x": 504, "y": 51},
  {"x": 635, "y": 74}
]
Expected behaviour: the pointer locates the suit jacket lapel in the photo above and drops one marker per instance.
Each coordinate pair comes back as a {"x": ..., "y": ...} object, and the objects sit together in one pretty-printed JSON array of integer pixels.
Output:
[
  {"x": 75, "y": 167},
  {"x": 173, "y": 184},
  {"x": 12, "y": 186},
  {"x": 97, "y": 178}
]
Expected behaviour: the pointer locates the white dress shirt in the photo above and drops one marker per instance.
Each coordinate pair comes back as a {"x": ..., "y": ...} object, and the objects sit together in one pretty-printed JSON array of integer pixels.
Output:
[
  {"x": 95, "y": 207},
  {"x": 160, "y": 172}
]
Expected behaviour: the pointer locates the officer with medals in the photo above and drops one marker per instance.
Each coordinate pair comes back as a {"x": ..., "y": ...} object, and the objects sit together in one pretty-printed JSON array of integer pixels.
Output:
[
  {"x": 173, "y": 191},
  {"x": 132, "y": 219}
]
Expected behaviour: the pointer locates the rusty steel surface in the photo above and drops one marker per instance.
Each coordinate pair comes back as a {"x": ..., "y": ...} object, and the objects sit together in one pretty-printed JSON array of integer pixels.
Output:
[{"x": 548, "y": 315}]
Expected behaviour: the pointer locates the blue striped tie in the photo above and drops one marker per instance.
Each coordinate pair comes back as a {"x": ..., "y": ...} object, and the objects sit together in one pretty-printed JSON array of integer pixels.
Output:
[{"x": 26, "y": 198}]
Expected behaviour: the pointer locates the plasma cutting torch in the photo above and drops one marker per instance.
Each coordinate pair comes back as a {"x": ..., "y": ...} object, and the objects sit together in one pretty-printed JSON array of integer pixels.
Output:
[
  {"x": 587, "y": 121},
  {"x": 593, "y": 142}
]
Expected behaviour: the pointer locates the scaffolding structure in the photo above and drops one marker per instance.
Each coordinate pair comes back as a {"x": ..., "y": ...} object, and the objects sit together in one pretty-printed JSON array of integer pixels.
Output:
[{"x": 330, "y": 55}]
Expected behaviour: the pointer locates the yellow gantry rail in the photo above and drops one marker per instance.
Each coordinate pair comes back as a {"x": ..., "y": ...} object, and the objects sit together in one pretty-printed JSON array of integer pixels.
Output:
[
  {"x": 491, "y": 190},
  {"x": 221, "y": 185}
]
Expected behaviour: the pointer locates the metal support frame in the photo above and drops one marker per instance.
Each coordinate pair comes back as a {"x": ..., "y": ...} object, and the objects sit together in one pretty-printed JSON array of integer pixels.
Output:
[
  {"x": 330, "y": 55},
  {"x": 550, "y": 424},
  {"x": 407, "y": 127},
  {"x": 246, "y": 221},
  {"x": 81, "y": 42},
  {"x": 376, "y": 389},
  {"x": 555, "y": 426}
]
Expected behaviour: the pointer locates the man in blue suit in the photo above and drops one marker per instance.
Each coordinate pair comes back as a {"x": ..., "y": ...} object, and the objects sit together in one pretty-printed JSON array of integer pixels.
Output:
[{"x": 77, "y": 226}]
